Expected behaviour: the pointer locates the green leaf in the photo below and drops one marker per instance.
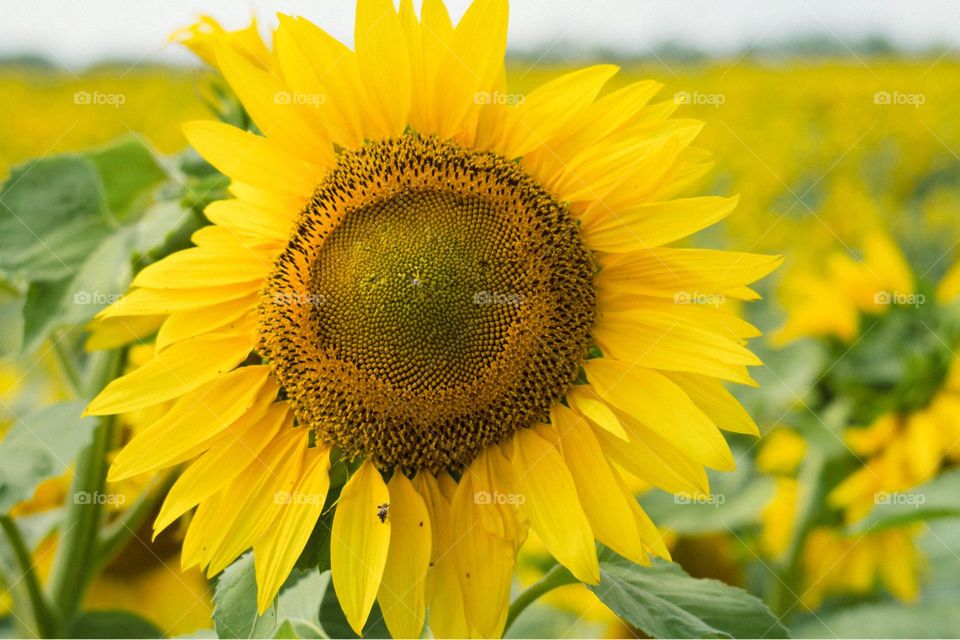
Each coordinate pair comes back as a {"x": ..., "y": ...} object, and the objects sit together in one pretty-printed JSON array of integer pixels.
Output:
[
  {"x": 113, "y": 624},
  {"x": 664, "y": 602},
  {"x": 43, "y": 445},
  {"x": 53, "y": 213},
  {"x": 334, "y": 621},
  {"x": 933, "y": 500},
  {"x": 130, "y": 173},
  {"x": 235, "y": 604}
]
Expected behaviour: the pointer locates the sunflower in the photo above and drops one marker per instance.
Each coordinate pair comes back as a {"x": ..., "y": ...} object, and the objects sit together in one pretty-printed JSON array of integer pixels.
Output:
[
  {"x": 460, "y": 297},
  {"x": 890, "y": 336}
]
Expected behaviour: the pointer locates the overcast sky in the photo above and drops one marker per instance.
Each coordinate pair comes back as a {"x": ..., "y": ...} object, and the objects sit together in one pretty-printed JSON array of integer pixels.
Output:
[{"x": 82, "y": 31}]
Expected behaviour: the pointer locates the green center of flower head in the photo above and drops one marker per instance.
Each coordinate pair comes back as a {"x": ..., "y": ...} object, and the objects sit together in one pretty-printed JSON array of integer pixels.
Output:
[
  {"x": 899, "y": 362},
  {"x": 431, "y": 300}
]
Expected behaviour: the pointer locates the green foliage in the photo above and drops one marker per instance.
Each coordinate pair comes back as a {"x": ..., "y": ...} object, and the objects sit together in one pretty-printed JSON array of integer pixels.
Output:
[
  {"x": 73, "y": 230},
  {"x": 664, "y": 602},
  {"x": 42, "y": 445}
]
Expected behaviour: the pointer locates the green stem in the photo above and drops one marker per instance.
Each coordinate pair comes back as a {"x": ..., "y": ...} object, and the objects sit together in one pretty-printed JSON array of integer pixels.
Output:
[
  {"x": 74, "y": 563},
  {"x": 558, "y": 576},
  {"x": 71, "y": 369},
  {"x": 45, "y": 618}
]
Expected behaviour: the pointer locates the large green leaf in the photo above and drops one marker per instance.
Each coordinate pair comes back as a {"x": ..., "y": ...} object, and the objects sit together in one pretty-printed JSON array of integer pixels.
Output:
[
  {"x": 130, "y": 172},
  {"x": 664, "y": 602},
  {"x": 72, "y": 231},
  {"x": 42, "y": 445},
  {"x": 294, "y": 613},
  {"x": 53, "y": 213},
  {"x": 939, "y": 498}
]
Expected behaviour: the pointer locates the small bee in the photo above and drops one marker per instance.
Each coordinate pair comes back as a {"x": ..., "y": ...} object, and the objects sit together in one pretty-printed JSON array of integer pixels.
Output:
[{"x": 382, "y": 511}]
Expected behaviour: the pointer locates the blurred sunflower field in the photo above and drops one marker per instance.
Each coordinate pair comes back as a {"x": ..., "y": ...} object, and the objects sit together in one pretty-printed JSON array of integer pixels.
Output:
[{"x": 842, "y": 519}]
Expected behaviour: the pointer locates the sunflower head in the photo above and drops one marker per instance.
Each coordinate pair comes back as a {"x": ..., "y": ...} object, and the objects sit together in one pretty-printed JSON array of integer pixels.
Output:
[
  {"x": 474, "y": 302},
  {"x": 431, "y": 301}
]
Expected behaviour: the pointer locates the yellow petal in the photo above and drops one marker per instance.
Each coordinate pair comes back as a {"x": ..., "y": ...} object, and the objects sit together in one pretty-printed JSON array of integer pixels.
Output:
[
  {"x": 252, "y": 158},
  {"x": 359, "y": 544},
  {"x": 236, "y": 448},
  {"x": 384, "y": 65},
  {"x": 550, "y": 502},
  {"x": 444, "y": 595},
  {"x": 672, "y": 343},
  {"x": 150, "y": 302},
  {"x": 253, "y": 498},
  {"x": 663, "y": 407},
  {"x": 110, "y": 333},
  {"x": 181, "y": 368},
  {"x": 484, "y": 560},
  {"x": 543, "y": 112},
  {"x": 277, "y": 112},
  {"x": 205, "y": 267},
  {"x": 669, "y": 273},
  {"x": 402, "y": 590},
  {"x": 604, "y": 502},
  {"x": 652, "y": 224},
  {"x": 461, "y": 65},
  {"x": 714, "y": 400},
  {"x": 194, "y": 419},
  {"x": 251, "y": 220},
  {"x": 224, "y": 317},
  {"x": 276, "y": 552}
]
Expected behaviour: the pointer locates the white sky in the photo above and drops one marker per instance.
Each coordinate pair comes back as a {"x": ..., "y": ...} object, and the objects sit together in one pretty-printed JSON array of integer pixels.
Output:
[{"x": 83, "y": 31}]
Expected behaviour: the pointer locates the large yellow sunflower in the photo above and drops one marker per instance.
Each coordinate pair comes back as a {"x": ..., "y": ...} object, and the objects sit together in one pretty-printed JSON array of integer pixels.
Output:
[{"x": 460, "y": 295}]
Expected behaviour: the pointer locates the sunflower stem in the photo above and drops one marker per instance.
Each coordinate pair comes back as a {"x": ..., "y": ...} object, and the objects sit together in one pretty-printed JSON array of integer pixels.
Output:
[
  {"x": 46, "y": 619},
  {"x": 558, "y": 576},
  {"x": 74, "y": 563}
]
